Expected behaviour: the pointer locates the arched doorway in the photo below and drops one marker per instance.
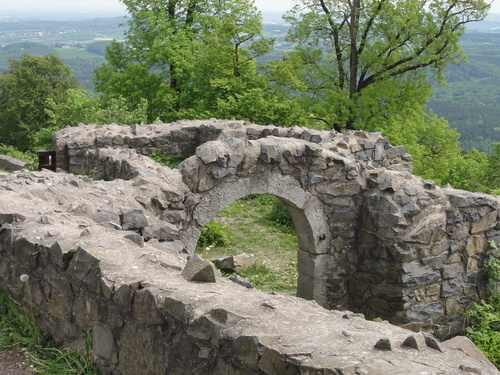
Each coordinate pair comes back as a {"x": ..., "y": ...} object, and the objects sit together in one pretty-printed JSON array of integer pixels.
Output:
[
  {"x": 255, "y": 238},
  {"x": 306, "y": 211}
]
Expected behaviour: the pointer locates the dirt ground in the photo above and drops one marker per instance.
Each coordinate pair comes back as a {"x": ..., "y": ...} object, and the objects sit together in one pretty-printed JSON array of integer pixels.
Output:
[{"x": 13, "y": 362}]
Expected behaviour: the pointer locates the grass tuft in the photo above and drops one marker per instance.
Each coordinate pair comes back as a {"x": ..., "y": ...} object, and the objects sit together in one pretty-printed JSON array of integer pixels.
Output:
[{"x": 18, "y": 329}]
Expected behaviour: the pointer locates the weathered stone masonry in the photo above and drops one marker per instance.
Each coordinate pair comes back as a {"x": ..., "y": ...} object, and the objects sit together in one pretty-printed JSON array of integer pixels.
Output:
[
  {"x": 372, "y": 237},
  {"x": 107, "y": 256}
]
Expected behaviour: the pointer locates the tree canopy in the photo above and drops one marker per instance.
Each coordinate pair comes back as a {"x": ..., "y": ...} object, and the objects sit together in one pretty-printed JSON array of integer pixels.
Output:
[
  {"x": 24, "y": 90},
  {"x": 187, "y": 58},
  {"x": 359, "y": 62}
]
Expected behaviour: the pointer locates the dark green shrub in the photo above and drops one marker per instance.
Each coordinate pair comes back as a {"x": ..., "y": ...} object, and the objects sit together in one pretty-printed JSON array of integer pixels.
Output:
[
  {"x": 279, "y": 214},
  {"x": 165, "y": 160},
  {"x": 485, "y": 317},
  {"x": 214, "y": 234}
]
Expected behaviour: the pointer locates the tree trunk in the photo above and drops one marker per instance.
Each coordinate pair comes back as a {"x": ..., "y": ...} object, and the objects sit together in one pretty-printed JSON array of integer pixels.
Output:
[{"x": 353, "y": 58}]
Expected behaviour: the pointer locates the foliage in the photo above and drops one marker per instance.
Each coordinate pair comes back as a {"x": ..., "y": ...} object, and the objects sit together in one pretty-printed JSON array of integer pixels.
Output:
[
  {"x": 18, "y": 329},
  {"x": 169, "y": 161},
  {"x": 214, "y": 234},
  {"x": 28, "y": 156},
  {"x": 194, "y": 60},
  {"x": 280, "y": 214},
  {"x": 485, "y": 317},
  {"x": 493, "y": 170},
  {"x": 468, "y": 172},
  {"x": 476, "y": 171},
  {"x": 95, "y": 174},
  {"x": 24, "y": 90},
  {"x": 470, "y": 97},
  {"x": 362, "y": 62},
  {"x": 79, "y": 107},
  {"x": 428, "y": 138}
]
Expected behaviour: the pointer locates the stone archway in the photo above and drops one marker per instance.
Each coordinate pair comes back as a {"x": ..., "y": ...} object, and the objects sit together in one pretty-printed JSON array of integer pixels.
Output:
[
  {"x": 372, "y": 237},
  {"x": 307, "y": 214}
]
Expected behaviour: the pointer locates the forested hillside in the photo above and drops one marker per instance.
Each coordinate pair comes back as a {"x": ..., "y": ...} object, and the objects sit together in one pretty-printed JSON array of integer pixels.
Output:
[
  {"x": 470, "y": 99},
  {"x": 80, "y": 43},
  {"x": 82, "y": 59}
]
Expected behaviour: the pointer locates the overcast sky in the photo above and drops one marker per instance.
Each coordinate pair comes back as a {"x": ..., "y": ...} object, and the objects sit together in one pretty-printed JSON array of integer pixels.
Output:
[{"x": 106, "y": 6}]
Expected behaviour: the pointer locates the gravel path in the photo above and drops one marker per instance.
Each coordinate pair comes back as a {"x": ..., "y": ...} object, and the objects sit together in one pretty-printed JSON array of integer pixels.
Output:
[{"x": 13, "y": 362}]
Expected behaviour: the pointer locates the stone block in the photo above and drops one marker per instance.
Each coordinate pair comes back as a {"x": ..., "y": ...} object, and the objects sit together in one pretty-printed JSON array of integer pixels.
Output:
[
  {"x": 62, "y": 252},
  {"x": 487, "y": 222},
  {"x": 26, "y": 253},
  {"x": 430, "y": 230},
  {"x": 462, "y": 199},
  {"x": 145, "y": 307},
  {"x": 272, "y": 362},
  {"x": 162, "y": 231},
  {"x": 414, "y": 274},
  {"x": 9, "y": 218},
  {"x": 465, "y": 345},
  {"x": 426, "y": 313},
  {"x": 124, "y": 295},
  {"x": 452, "y": 288},
  {"x": 476, "y": 244},
  {"x": 454, "y": 307},
  {"x": 246, "y": 349},
  {"x": 416, "y": 341},
  {"x": 142, "y": 351},
  {"x": 102, "y": 341},
  {"x": 459, "y": 232},
  {"x": 85, "y": 268},
  {"x": 410, "y": 209},
  {"x": 311, "y": 264},
  {"x": 233, "y": 263},
  {"x": 270, "y": 153},
  {"x": 134, "y": 219},
  {"x": 212, "y": 152},
  {"x": 199, "y": 270},
  {"x": 451, "y": 271},
  {"x": 339, "y": 188},
  {"x": 432, "y": 342},
  {"x": 135, "y": 238},
  {"x": 331, "y": 365},
  {"x": 175, "y": 308},
  {"x": 240, "y": 280}
]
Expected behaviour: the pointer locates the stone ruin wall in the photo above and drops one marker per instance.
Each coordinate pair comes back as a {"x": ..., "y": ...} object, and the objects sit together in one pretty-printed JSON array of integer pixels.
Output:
[{"x": 371, "y": 238}]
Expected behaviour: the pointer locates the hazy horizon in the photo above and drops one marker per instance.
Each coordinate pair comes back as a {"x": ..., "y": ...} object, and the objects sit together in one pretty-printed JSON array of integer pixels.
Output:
[{"x": 85, "y": 8}]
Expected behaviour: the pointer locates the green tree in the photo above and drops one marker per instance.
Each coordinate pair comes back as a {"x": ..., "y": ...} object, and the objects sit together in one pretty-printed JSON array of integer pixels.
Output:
[
  {"x": 24, "y": 90},
  {"x": 428, "y": 138},
  {"x": 493, "y": 170},
  {"x": 469, "y": 171},
  {"x": 80, "y": 107},
  {"x": 360, "y": 62},
  {"x": 184, "y": 56}
]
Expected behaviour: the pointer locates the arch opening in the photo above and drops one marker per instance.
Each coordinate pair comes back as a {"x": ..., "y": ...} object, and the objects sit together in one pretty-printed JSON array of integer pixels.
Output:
[
  {"x": 255, "y": 238},
  {"x": 306, "y": 211}
]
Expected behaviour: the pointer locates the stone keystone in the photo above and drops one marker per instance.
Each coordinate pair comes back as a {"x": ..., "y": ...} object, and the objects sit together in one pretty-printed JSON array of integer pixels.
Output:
[{"x": 199, "y": 269}]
